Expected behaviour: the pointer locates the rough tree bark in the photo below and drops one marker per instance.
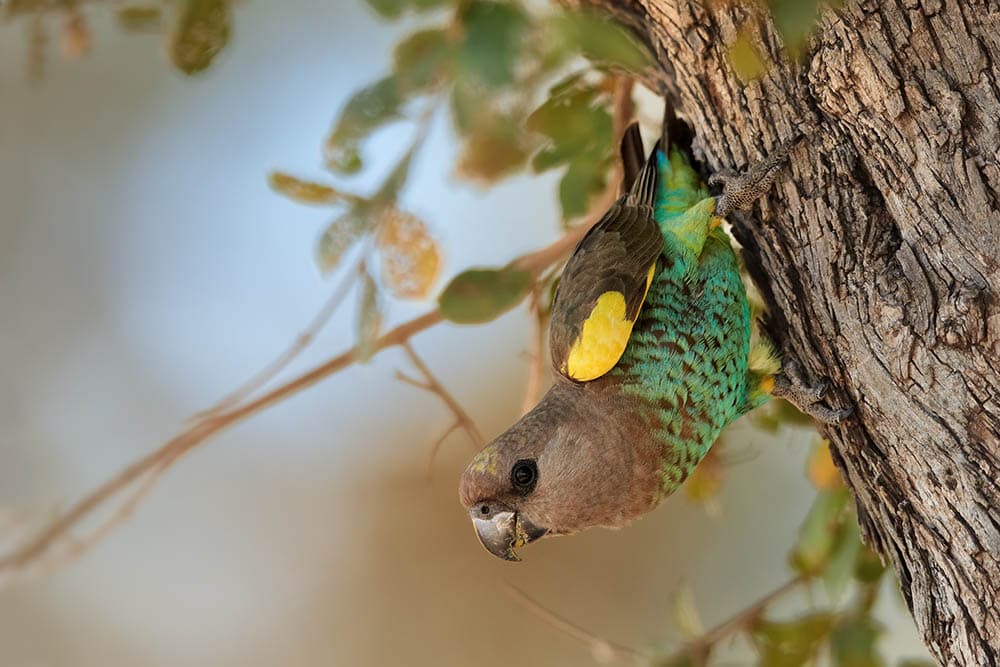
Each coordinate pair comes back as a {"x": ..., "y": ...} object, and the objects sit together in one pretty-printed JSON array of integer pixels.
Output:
[{"x": 879, "y": 256}]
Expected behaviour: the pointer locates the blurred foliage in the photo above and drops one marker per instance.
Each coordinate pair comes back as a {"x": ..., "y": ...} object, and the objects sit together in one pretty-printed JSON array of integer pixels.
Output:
[
  {"x": 791, "y": 643},
  {"x": 197, "y": 30},
  {"x": 794, "y": 20},
  {"x": 369, "y": 316},
  {"x": 480, "y": 295},
  {"x": 525, "y": 84},
  {"x": 410, "y": 258},
  {"x": 201, "y": 32},
  {"x": 828, "y": 552},
  {"x": 488, "y": 63}
]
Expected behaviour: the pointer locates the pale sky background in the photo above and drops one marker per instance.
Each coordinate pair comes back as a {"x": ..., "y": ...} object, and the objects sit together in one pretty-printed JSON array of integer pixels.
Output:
[{"x": 146, "y": 269}]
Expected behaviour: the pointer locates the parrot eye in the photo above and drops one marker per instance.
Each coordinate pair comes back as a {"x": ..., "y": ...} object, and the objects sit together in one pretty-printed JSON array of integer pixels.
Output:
[{"x": 523, "y": 476}]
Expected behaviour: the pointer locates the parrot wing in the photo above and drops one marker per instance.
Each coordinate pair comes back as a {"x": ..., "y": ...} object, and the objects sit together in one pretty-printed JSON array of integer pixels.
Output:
[{"x": 606, "y": 280}]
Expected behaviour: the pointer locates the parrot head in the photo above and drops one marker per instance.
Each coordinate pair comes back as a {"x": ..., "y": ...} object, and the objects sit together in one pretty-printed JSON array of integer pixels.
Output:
[{"x": 565, "y": 466}]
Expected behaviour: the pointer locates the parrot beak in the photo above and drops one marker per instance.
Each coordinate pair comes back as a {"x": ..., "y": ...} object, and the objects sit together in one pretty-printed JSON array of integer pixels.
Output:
[{"x": 502, "y": 530}]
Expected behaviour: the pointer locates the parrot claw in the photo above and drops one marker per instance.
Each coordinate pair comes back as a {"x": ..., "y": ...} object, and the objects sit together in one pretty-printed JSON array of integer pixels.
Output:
[
  {"x": 740, "y": 191},
  {"x": 792, "y": 386},
  {"x": 721, "y": 177}
]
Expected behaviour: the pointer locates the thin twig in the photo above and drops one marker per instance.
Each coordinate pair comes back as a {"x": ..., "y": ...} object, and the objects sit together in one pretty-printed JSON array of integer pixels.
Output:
[
  {"x": 536, "y": 369},
  {"x": 623, "y": 110},
  {"x": 77, "y": 546},
  {"x": 436, "y": 446},
  {"x": 697, "y": 649},
  {"x": 299, "y": 345},
  {"x": 602, "y": 649},
  {"x": 322, "y": 317},
  {"x": 21, "y": 559},
  {"x": 434, "y": 386},
  {"x": 37, "y": 554}
]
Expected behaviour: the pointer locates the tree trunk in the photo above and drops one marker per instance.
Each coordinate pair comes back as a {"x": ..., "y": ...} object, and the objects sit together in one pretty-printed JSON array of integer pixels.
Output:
[{"x": 878, "y": 255}]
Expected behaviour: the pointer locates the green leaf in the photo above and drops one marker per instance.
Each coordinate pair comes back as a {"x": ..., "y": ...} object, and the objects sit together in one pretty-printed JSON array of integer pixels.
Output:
[
  {"x": 491, "y": 43},
  {"x": 468, "y": 105},
  {"x": 584, "y": 179},
  {"x": 765, "y": 420},
  {"x": 393, "y": 9},
  {"x": 869, "y": 568},
  {"x": 600, "y": 38},
  {"x": 423, "y": 60},
  {"x": 677, "y": 661},
  {"x": 817, "y": 534},
  {"x": 339, "y": 237},
  {"x": 790, "y": 414},
  {"x": 853, "y": 642},
  {"x": 577, "y": 126},
  {"x": 746, "y": 59},
  {"x": 201, "y": 33},
  {"x": 476, "y": 296},
  {"x": 395, "y": 181},
  {"x": 684, "y": 613},
  {"x": 778, "y": 413},
  {"x": 368, "y": 109},
  {"x": 795, "y": 20},
  {"x": 494, "y": 148},
  {"x": 843, "y": 559},
  {"x": 575, "y": 120},
  {"x": 914, "y": 662},
  {"x": 307, "y": 192},
  {"x": 388, "y": 9},
  {"x": 139, "y": 18},
  {"x": 791, "y": 643},
  {"x": 369, "y": 318}
]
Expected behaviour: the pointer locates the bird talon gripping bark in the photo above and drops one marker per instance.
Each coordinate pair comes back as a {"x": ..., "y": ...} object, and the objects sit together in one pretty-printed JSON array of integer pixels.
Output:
[
  {"x": 791, "y": 385},
  {"x": 741, "y": 190}
]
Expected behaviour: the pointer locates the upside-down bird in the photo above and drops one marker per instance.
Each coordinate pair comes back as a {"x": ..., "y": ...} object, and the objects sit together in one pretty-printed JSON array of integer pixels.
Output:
[{"x": 655, "y": 351}]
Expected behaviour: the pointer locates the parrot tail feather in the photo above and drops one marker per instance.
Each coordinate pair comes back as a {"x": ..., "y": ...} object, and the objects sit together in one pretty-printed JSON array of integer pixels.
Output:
[{"x": 633, "y": 156}]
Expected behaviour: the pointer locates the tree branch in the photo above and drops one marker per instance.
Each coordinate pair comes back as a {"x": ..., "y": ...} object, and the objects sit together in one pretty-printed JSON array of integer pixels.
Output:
[
  {"x": 603, "y": 650},
  {"x": 43, "y": 551},
  {"x": 300, "y": 344},
  {"x": 536, "y": 354},
  {"x": 698, "y": 649},
  {"x": 433, "y": 385}
]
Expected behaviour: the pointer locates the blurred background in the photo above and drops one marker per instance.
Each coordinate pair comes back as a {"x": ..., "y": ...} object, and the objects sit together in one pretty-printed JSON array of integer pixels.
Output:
[{"x": 146, "y": 269}]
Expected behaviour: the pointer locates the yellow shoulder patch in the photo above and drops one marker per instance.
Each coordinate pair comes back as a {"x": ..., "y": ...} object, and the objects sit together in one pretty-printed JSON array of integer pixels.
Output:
[{"x": 603, "y": 337}]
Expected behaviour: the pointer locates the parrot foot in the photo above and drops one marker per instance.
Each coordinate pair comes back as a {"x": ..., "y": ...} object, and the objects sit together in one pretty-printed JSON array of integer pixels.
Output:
[
  {"x": 741, "y": 190},
  {"x": 791, "y": 385}
]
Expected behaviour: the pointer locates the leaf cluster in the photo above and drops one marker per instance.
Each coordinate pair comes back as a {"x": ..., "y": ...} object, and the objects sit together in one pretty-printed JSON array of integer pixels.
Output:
[
  {"x": 794, "y": 20},
  {"x": 484, "y": 61},
  {"x": 828, "y": 551},
  {"x": 196, "y": 30}
]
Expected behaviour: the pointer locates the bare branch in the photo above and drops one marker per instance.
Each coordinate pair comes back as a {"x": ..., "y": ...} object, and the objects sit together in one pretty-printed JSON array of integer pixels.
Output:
[
  {"x": 413, "y": 382},
  {"x": 434, "y": 386},
  {"x": 603, "y": 650},
  {"x": 698, "y": 649},
  {"x": 301, "y": 342},
  {"x": 436, "y": 446},
  {"x": 43, "y": 552},
  {"x": 536, "y": 370}
]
